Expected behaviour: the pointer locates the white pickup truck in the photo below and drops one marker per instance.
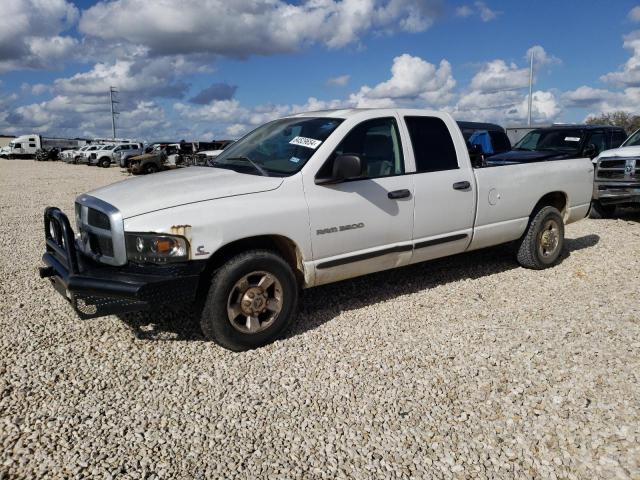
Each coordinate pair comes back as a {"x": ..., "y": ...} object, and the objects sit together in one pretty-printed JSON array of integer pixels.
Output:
[{"x": 302, "y": 201}]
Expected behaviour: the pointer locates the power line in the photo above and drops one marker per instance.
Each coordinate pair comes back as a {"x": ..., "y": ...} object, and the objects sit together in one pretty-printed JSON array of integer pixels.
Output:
[{"x": 114, "y": 110}]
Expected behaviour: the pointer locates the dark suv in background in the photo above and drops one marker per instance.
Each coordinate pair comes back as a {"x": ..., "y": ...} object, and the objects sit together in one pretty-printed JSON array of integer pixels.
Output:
[{"x": 561, "y": 142}]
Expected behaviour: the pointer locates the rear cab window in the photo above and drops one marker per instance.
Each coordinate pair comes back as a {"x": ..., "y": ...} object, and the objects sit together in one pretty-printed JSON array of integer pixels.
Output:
[{"x": 433, "y": 147}]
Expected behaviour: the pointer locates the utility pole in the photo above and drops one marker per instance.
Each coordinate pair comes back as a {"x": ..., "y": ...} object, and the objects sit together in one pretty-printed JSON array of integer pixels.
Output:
[
  {"x": 530, "y": 86},
  {"x": 114, "y": 110}
]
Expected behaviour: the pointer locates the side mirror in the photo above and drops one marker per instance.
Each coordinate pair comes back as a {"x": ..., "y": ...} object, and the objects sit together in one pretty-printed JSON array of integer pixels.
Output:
[
  {"x": 590, "y": 150},
  {"x": 345, "y": 167}
]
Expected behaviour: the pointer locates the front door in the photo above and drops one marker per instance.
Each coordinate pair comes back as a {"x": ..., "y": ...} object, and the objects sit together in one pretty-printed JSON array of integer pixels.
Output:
[{"x": 364, "y": 225}]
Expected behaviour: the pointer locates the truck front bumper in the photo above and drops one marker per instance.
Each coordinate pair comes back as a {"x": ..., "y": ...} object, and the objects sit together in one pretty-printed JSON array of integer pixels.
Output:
[
  {"x": 612, "y": 193},
  {"x": 95, "y": 289}
]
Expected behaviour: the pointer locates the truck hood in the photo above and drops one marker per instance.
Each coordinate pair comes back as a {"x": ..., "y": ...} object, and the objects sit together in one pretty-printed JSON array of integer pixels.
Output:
[
  {"x": 139, "y": 195},
  {"x": 523, "y": 156},
  {"x": 621, "y": 152}
]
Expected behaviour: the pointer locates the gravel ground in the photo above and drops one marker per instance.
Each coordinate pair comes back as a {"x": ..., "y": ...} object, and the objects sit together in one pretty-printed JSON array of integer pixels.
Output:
[{"x": 468, "y": 367}]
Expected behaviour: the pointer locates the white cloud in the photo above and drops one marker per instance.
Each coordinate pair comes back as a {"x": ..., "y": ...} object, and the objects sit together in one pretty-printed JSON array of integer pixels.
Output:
[
  {"x": 30, "y": 33},
  {"x": 236, "y": 119},
  {"x": 144, "y": 77},
  {"x": 479, "y": 8},
  {"x": 245, "y": 27},
  {"x": 464, "y": 11},
  {"x": 602, "y": 100},
  {"x": 486, "y": 14},
  {"x": 629, "y": 75},
  {"x": 541, "y": 57},
  {"x": 507, "y": 107},
  {"x": 413, "y": 81},
  {"x": 497, "y": 92},
  {"x": 498, "y": 75},
  {"x": 339, "y": 81},
  {"x": 634, "y": 14}
]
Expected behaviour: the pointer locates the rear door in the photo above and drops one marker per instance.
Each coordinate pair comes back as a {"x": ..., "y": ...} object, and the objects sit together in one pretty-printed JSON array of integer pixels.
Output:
[{"x": 445, "y": 199}]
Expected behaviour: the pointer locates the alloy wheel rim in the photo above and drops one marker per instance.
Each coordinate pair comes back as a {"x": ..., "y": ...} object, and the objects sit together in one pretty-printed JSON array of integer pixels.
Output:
[
  {"x": 254, "y": 302},
  {"x": 549, "y": 239}
]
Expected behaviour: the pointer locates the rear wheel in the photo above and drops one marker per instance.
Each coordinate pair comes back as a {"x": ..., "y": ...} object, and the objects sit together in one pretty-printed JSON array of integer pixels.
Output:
[
  {"x": 251, "y": 301},
  {"x": 543, "y": 241},
  {"x": 598, "y": 210}
]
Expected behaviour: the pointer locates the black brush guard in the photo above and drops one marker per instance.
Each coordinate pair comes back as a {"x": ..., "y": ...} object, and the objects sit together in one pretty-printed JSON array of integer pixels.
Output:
[{"x": 96, "y": 289}]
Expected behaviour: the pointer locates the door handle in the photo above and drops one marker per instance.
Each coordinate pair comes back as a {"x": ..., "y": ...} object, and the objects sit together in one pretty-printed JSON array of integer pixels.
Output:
[
  {"x": 461, "y": 185},
  {"x": 399, "y": 194}
]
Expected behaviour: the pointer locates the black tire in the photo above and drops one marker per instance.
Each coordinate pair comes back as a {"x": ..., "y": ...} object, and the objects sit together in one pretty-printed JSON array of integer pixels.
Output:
[
  {"x": 105, "y": 163},
  {"x": 215, "y": 321},
  {"x": 531, "y": 251},
  {"x": 150, "y": 168},
  {"x": 600, "y": 211}
]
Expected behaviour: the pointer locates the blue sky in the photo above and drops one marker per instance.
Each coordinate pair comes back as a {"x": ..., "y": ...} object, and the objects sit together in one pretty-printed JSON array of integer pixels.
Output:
[{"x": 199, "y": 69}]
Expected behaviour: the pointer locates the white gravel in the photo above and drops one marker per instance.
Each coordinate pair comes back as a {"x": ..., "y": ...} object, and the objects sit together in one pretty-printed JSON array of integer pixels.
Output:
[{"x": 468, "y": 367}]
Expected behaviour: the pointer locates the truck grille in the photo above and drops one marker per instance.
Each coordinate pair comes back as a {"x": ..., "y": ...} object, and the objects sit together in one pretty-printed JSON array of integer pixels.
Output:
[
  {"x": 101, "y": 231},
  {"x": 616, "y": 168},
  {"x": 98, "y": 219},
  {"x": 100, "y": 245}
]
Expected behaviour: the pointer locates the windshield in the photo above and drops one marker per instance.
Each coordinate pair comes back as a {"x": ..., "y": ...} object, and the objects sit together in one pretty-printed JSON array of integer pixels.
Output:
[
  {"x": 278, "y": 148},
  {"x": 565, "y": 140},
  {"x": 633, "y": 140}
]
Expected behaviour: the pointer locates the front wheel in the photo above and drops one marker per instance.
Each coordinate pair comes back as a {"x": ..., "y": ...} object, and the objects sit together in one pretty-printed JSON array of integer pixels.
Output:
[
  {"x": 251, "y": 301},
  {"x": 543, "y": 241},
  {"x": 105, "y": 163}
]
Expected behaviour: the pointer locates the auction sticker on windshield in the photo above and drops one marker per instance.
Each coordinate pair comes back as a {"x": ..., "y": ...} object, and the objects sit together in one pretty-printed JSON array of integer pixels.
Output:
[
  {"x": 571, "y": 139},
  {"x": 306, "y": 142}
]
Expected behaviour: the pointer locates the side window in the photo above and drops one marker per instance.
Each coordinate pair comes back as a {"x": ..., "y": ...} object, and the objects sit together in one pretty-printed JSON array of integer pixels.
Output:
[
  {"x": 500, "y": 142},
  {"x": 32, "y": 145},
  {"x": 598, "y": 139},
  {"x": 617, "y": 138},
  {"x": 17, "y": 145},
  {"x": 32, "y": 139},
  {"x": 377, "y": 142},
  {"x": 432, "y": 144}
]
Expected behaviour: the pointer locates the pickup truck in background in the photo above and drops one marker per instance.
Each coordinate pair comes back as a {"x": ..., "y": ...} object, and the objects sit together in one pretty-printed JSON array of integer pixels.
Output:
[
  {"x": 562, "y": 142},
  {"x": 161, "y": 157},
  {"x": 107, "y": 156},
  {"x": 302, "y": 201},
  {"x": 101, "y": 155},
  {"x": 122, "y": 158},
  {"x": 617, "y": 178}
]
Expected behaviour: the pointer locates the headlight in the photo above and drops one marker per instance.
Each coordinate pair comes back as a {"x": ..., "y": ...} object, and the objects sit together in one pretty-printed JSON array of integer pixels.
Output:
[{"x": 156, "y": 248}]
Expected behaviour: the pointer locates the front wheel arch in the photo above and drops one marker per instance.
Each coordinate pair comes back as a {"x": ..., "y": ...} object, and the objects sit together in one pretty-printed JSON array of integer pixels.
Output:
[{"x": 279, "y": 244}]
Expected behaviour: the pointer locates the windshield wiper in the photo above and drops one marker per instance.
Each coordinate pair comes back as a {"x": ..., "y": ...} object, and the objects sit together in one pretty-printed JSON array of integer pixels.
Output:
[{"x": 256, "y": 166}]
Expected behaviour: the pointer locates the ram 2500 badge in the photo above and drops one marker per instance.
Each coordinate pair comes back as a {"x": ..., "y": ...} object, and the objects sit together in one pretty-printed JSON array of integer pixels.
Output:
[{"x": 302, "y": 201}]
